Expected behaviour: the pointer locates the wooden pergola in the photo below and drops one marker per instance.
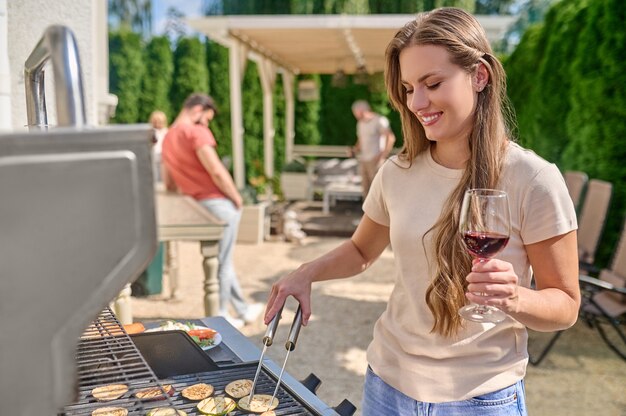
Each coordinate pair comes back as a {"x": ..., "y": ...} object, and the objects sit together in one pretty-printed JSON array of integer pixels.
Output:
[{"x": 302, "y": 44}]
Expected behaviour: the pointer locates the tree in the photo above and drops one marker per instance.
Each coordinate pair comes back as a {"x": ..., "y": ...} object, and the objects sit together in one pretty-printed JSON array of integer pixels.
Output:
[
  {"x": 190, "y": 71},
  {"x": 219, "y": 89},
  {"x": 522, "y": 80},
  {"x": 307, "y": 115},
  {"x": 252, "y": 95},
  {"x": 596, "y": 120},
  {"x": 131, "y": 15},
  {"x": 125, "y": 72},
  {"x": 157, "y": 82}
]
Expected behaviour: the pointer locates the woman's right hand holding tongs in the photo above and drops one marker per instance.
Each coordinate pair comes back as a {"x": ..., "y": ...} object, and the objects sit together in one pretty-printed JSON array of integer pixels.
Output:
[{"x": 296, "y": 284}]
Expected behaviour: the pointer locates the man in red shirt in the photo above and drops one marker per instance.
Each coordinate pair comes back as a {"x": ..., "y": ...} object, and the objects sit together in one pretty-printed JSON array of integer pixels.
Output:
[{"x": 192, "y": 166}]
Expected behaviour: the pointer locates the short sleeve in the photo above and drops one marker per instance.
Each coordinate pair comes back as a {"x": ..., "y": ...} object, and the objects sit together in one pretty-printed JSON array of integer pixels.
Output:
[
  {"x": 202, "y": 136},
  {"x": 375, "y": 206},
  {"x": 547, "y": 209},
  {"x": 384, "y": 123}
]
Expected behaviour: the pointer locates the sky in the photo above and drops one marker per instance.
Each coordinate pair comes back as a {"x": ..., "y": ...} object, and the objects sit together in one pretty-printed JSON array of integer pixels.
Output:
[{"x": 190, "y": 8}]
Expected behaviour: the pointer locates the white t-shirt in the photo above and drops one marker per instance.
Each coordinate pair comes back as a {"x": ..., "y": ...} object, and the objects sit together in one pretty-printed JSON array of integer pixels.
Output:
[
  {"x": 371, "y": 134},
  {"x": 483, "y": 357}
]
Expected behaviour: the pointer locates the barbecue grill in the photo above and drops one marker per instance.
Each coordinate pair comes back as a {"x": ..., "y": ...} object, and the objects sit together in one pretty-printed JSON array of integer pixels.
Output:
[
  {"x": 77, "y": 212},
  {"x": 107, "y": 355}
]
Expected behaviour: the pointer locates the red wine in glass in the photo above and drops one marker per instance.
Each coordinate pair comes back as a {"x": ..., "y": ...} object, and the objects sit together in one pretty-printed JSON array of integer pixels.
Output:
[
  {"x": 485, "y": 227},
  {"x": 484, "y": 244}
]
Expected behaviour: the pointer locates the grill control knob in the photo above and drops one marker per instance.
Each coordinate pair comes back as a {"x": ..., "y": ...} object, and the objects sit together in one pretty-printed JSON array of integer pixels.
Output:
[
  {"x": 345, "y": 408},
  {"x": 312, "y": 383}
]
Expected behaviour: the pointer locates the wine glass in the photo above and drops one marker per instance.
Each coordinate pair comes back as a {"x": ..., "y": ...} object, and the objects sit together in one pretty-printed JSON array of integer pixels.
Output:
[{"x": 485, "y": 226}]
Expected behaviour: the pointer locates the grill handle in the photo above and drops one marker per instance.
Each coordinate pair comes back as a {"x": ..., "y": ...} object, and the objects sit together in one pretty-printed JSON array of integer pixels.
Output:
[
  {"x": 58, "y": 45},
  {"x": 345, "y": 408},
  {"x": 312, "y": 383},
  {"x": 294, "y": 331},
  {"x": 268, "y": 339}
]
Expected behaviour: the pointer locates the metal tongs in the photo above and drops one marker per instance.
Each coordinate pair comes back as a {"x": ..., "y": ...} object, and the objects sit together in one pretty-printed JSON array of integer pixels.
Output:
[{"x": 268, "y": 340}]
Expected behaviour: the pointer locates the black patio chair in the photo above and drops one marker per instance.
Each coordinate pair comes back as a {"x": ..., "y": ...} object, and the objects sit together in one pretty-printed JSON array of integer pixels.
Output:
[{"x": 603, "y": 304}]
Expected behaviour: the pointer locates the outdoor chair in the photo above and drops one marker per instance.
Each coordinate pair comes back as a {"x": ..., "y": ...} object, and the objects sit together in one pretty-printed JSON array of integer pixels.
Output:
[
  {"x": 576, "y": 182},
  {"x": 603, "y": 304},
  {"x": 591, "y": 222}
]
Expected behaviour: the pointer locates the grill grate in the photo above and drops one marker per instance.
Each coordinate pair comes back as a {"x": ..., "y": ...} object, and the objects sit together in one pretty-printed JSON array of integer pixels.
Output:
[
  {"x": 288, "y": 404},
  {"x": 106, "y": 355}
]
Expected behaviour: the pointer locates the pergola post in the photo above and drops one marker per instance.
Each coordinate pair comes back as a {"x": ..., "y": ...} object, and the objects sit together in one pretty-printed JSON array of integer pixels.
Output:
[
  {"x": 290, "y": 110},
  {"x": 237, "y": 59},
  {"x": 267, "y": 73}
]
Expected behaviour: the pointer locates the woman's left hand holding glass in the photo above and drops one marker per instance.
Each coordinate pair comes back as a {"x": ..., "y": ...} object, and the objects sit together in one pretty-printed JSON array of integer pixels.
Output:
[{"x": 493, "y": 282}]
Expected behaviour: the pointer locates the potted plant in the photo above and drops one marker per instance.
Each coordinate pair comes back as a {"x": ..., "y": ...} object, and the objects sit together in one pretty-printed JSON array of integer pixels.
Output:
[
  {"x": 296, "y": 180},
  {"x": 254, "y": 225}
]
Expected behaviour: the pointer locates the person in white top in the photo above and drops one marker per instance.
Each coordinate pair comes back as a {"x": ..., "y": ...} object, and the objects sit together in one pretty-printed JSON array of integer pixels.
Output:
[
  {"x": 158, "y": 121},
  {"x": 443, "y": 78},
  {"x": 374, "y": 141}
]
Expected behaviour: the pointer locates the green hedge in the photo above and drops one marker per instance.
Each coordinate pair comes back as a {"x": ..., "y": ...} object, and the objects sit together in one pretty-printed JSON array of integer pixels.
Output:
[
  {"x": 190, "y": 71},
  {"x": 157, "y": 81},
  {"x": 126, "y": 69},
  {"x": 566, "y": 81}
]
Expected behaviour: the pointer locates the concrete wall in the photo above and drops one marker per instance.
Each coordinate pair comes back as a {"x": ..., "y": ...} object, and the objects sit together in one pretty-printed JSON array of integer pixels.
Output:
[{"x": 26, "y": 22}]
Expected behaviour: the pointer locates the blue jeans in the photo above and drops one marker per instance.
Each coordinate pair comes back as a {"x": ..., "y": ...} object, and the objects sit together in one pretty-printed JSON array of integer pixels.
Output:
[
  {"x": 379, "y": 398},
  {"x": 230, "y": 290}
]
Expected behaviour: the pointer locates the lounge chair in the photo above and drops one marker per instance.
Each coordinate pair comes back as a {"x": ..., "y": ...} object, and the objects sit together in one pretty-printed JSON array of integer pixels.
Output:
[
  {"x": 576, "y": 182},
  {"x": 603, "y": 304},
  {"x": 591, "y": 222}
]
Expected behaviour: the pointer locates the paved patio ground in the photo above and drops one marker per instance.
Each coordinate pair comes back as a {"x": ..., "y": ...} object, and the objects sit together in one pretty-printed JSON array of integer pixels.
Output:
[{"x": 581, "y": 376}]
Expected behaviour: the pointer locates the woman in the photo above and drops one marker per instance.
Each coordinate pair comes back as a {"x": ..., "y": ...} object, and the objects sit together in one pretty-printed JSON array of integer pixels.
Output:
[
  {"x": 158, "y": 121},
  {"x": 449, "y": 88}
]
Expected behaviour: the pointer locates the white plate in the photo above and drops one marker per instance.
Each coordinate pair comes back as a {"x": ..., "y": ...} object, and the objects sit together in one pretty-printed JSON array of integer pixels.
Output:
[{"x": 177, "y": 326}]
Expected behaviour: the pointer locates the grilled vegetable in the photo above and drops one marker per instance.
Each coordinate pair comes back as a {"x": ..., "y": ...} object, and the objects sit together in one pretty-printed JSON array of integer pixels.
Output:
[
  {"x": 110, "y": 411},
  {"x": 217, "y": 406},
  {"x": 269, "y": 413},
  {"x": 154, "y": 393},
  {"x": 259, "y": 403},
  {"x": 166, "y": 411},
  {"x": 135, "y": 328},
  {"x": 109, "y": 392},
  {"x": 202, "y": 333},
  {"x": 197, "y": 391},
  {"x": 238, "y": 388}
]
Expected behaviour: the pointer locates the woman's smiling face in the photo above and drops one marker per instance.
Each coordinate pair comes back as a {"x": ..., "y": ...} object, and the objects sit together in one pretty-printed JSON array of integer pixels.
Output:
[{"x": 439, "y": 93}]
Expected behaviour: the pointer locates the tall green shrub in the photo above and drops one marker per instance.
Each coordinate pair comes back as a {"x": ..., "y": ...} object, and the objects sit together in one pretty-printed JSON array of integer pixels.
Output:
[
  {"x": 307, "y": 115},
  {"x": 252, "y": 99},
  {"x": 190, "y": 71},
  {"x": 157, "y": 80},
  {"x": 522, "y": 80},
  {"x": 596, "y": 120},
  {"x": 337, "y": 124},
  {"x": 219, "y": 89},
  {"x": 125, "y": 72},
  {"x": 550, "y": 94}
]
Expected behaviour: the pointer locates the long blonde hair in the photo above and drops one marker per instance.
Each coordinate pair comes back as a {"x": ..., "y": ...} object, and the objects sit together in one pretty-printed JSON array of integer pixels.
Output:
[{"x": 466, "y": 42}]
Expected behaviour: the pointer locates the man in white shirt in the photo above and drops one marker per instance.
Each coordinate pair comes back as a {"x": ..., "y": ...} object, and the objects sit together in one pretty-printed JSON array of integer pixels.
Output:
[{"x": 374, "y": 141}]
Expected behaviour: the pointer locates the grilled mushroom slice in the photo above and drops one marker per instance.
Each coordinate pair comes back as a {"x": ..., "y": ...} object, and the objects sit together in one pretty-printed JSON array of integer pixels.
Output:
[
  {"x": 238, "y": 388},
  {"x": 259, "y": 403},
  {"x": 109, "y": 392},
  {"x": 154, "y": 393},
  {"x": 216, "y": 406},
  {"x": 198, "y": 391},
  {"x": 110, "y": 411},
  {"x": 166, "y": 411}
]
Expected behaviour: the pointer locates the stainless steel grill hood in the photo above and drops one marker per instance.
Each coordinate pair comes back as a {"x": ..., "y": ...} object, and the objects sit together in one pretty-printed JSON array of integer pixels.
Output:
[{"x": 77, "y": 223}]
